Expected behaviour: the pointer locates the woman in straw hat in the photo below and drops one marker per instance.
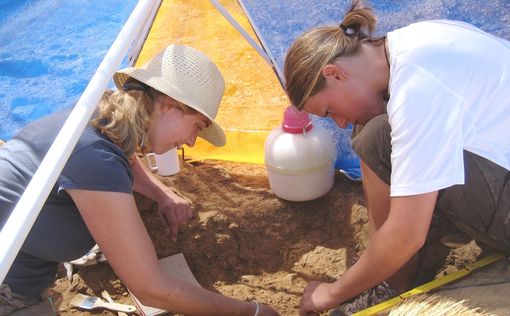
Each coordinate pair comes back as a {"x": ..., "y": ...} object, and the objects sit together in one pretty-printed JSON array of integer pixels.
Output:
[
  {"x": 169, "y": 102},
  {"x": 431, "y": 105}
]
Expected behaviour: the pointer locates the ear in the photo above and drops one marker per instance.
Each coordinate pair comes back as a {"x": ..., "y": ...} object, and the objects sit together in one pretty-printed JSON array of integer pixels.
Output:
[
  {"x": 166, "y": 103},
  {"x": 334, "y": 72}
]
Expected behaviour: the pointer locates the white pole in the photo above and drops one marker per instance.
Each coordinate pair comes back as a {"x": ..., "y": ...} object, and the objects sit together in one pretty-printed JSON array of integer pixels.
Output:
[{"x": 26, "y": 211}]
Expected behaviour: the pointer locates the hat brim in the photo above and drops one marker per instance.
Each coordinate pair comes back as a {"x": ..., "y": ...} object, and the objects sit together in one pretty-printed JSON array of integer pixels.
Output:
[{"x": 213, "y": 133}]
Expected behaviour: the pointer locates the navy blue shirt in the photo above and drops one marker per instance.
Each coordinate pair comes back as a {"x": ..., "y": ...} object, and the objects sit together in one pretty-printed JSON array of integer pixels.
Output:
[{"x": 95, "y": 164}]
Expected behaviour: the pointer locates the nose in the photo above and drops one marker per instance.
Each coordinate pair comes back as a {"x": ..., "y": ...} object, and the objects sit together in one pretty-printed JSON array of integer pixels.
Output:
[
  {"x": 341, "y": 122},
  {"x": 191, "y": 142},
  {"x": 192, "y": 139}
]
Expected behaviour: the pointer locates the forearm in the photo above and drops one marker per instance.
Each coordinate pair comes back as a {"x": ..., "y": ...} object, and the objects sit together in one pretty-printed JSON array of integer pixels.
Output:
[
  {"x": 388, "y": 251},
  {"x": 178, "y": 296},
  {"x": 403, "y": 233},
  {"x": 146, "y": 183}
]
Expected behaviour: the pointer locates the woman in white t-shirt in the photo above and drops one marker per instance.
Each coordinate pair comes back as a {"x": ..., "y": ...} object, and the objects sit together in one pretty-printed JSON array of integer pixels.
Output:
[{"x": 431, "y": 106}]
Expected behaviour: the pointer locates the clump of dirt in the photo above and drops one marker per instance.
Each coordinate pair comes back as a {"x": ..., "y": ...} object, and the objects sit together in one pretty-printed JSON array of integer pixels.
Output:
[{"x": 247, "y": 243}]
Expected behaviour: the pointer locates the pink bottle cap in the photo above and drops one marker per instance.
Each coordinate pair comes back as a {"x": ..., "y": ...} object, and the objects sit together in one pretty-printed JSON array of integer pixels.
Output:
[{"x": 295, "y": 121}]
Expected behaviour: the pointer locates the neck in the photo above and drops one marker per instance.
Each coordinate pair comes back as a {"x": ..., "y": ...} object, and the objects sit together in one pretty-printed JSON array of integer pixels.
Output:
[{"x": 376, "y": 64}]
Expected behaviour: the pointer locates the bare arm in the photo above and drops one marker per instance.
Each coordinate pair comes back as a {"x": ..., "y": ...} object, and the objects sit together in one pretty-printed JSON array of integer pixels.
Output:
[
  {"x": 399, "y": 238},
  {"x": 173, "y": 209},
  {"x": 114, "y": 222}
]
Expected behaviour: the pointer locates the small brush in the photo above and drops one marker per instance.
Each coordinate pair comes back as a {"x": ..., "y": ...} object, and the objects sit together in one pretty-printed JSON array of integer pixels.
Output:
[
  {"x": 109, "y": 299},
  {"x": 90, "y": 302}
]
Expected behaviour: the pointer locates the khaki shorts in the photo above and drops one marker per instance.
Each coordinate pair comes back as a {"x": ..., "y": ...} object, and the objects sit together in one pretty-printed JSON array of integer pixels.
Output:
[{"x": 480, "y": 207}]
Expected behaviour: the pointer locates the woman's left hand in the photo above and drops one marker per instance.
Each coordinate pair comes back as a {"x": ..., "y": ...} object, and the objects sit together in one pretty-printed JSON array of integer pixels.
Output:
[
  {"x": 316, "y": 298},
  {"x": 173, "y": 211}
]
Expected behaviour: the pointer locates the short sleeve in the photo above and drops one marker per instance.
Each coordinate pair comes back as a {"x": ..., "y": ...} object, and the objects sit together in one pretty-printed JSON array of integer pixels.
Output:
[
  {"x": 426, "y": 133},
  {"x": 100, "y": 166}
]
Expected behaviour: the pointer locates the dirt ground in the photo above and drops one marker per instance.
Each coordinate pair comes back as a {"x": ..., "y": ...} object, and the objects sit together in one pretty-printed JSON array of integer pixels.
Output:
[
  {"x": 246, "y": 242},
  {"x": 249, "y": 244}
]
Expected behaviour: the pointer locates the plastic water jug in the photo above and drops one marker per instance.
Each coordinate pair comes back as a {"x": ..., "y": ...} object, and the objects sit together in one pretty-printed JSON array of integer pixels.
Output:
[{"x": 300, "y": 158}]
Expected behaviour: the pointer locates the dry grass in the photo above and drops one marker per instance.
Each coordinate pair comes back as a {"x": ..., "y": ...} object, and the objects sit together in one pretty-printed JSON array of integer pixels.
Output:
[{"x": 435, "y": 306}]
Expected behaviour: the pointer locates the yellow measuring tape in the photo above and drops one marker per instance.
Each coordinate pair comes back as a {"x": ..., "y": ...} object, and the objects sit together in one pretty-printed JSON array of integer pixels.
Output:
[{"x": 424, "y": 288}]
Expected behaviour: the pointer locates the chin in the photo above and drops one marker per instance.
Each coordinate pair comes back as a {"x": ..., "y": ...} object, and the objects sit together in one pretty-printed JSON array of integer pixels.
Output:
[{"x": 156, "y": 149}]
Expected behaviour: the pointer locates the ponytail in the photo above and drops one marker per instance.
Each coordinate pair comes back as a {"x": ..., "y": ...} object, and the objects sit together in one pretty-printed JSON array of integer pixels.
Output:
[
  {"x": 359, "y": 22},
  {"x": 321, "y": 46}
]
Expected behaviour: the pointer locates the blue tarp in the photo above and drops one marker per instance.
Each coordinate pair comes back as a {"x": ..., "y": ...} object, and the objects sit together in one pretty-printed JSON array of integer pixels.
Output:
[
  {"x": 278, "y": 23},
  {"x": 49, "y": 50}
]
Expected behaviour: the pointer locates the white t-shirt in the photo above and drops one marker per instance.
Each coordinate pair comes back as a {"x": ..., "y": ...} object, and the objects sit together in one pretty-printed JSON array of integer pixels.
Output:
[{"x": 449, "y": 91}]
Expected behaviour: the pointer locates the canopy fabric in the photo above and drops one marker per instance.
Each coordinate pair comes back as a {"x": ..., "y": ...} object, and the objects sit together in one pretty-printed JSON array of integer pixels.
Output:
[{"x": 254, "y": 100}]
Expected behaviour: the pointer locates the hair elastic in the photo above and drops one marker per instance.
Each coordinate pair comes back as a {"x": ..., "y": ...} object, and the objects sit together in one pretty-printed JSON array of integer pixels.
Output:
[{"x": 347, "y": 30}]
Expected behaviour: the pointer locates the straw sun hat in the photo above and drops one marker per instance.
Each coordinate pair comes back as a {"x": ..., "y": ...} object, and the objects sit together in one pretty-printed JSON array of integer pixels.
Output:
[{"x": 188, "y": 76}]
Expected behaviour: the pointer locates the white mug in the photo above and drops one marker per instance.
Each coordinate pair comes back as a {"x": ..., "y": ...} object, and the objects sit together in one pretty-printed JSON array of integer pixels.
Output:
[{"x": 166, "y": 164}]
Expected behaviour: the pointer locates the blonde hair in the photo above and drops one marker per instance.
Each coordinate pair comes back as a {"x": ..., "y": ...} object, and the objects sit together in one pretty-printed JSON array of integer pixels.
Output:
[
  {"x": 124, "y": 116},
  {"x": 321, "y": 46}
]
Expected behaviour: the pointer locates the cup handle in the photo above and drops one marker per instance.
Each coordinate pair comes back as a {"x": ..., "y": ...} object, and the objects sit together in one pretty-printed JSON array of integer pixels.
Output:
[{"x": 150, "y": 157}]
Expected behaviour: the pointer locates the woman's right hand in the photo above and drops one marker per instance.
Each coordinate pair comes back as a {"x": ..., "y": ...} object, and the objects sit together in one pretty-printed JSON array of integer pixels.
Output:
[{"x": 316, "y": 298}]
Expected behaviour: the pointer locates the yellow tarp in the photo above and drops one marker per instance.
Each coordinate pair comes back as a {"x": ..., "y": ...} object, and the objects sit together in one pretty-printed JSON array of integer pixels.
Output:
[{"x": 254, "y": 100}]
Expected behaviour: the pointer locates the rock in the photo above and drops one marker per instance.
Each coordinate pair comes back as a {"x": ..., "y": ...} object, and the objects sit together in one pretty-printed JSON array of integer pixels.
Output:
[
  {"x": 247, "y": 278},
  {"x": 204, "y": 217}
]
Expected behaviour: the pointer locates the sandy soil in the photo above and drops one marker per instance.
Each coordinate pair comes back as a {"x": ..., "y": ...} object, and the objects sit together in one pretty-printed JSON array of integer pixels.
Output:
[{"x": 249, "y": 244}]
